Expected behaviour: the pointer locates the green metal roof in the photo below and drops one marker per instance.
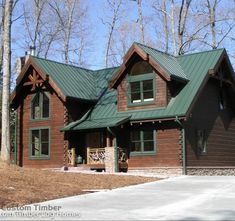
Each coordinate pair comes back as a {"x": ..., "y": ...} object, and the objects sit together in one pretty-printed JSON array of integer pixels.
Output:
[
  {"x": 168, "y": 62},
  {"x": 195, "y": 66},
  {"x": 100, "y": 123},
  {"x": 74, "y": 81}
]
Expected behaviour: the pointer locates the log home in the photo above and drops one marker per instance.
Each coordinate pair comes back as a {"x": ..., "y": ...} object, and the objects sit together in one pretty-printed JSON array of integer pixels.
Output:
[{"x": 168, "y": 114}]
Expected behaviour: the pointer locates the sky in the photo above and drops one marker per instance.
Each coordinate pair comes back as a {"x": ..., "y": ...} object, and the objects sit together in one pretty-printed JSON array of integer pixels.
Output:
[{"x": 98, "y": 32}]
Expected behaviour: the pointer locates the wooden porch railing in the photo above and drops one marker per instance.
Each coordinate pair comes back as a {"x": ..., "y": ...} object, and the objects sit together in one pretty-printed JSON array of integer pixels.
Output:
[{"x": 95, "y": 155}]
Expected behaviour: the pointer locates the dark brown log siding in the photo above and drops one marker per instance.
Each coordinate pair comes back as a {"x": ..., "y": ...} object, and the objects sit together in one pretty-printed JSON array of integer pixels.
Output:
[
  {"x": 160, "y": 95},
  {"x": 55, "y": 123},
  {"x": 219, "y": 126},
  {"x": 168, "y": 151}
]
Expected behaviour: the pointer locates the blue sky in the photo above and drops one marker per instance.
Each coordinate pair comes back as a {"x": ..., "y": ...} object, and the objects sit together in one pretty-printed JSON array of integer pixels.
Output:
[{"x": 98, "y": 32}]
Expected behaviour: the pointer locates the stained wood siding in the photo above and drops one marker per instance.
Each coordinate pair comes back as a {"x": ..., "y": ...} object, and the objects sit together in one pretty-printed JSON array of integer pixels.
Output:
[
  {"x": 55, "y": 123},
  {"x": 160, "y": 95},
  {"x": 168, "y": 151},
  {"x": 219, "y": 126}
]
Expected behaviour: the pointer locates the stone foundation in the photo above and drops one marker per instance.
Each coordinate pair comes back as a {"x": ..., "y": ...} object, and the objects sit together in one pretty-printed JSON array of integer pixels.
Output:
[
  {"x": 158, "y": 171},
  {"x": 207, "y": 171}
]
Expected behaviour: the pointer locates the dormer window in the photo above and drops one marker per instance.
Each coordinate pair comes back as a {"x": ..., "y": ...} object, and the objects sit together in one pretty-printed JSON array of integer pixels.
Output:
[
  {"x": 141, "y": 83},
  {"x": 40, "y": 105}
]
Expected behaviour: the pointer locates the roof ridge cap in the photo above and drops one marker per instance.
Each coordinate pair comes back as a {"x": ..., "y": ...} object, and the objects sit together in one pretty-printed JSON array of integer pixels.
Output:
[
  {"x": 58, "y": 62},
  {"x": 200, "y": 52},
  {"x": 102, "y": 69},
  {"x": 162, "y": 52}
]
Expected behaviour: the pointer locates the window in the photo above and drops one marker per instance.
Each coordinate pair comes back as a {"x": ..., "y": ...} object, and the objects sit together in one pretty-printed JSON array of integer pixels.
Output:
[
  {"x": 222, "y": 100},
  {"x": 141, "y": 83},
  {"x": 141, "y": 91},
  {"x": 143, "y": 141},
  {"x": 201, "y": 141},
  {"x": 40, "y": 106},
  {"x": 40, "y": 143}
]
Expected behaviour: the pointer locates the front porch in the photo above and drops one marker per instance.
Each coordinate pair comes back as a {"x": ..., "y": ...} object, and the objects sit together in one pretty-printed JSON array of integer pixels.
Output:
[{"x": 109, "y": 159}]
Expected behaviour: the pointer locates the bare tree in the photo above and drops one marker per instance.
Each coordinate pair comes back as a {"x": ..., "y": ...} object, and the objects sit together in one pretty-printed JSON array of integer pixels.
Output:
[
  {"x": 114, "y": 7},
  {"x": 70, "y": 15},
  {"x": 65, "y": 14},
  {"x": 34, "y": 23},
  {"x": 218, "y": 23},
  {"x": 141, "y": 25},
  {"x": 168, "y": 13},
  {"x": 183, "y": 14},
  {"x": 166, "y": 30},
  {"x": 172, "y": 17},
  {"x": 212, "y": 10},
  {"x": 5, "y": 142}
]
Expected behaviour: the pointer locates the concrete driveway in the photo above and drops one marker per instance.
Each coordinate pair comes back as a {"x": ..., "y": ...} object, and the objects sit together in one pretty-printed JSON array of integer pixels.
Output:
[{"x": 179, "y": 198}]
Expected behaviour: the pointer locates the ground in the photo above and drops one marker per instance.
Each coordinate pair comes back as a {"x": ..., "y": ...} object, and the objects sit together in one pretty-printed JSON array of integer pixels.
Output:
[
  {"x": 20, "y": 186},
  {"x": 186, "y": 198}
]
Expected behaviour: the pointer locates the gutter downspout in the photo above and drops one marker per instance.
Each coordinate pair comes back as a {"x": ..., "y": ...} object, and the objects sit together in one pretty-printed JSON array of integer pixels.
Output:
[
  {"x": 183, "y": 145},
  {"x": 115, "y": 148}
]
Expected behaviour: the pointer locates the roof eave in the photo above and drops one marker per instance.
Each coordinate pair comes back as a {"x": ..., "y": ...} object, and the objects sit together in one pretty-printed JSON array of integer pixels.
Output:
[
  {"x": 146, "y": 57},
  {"x": 177, "y": 78},
  {"x": 159, "y": 119},
  {"x": 71, "y": 98},
  {"x": 44, "y": 76},
  {"x": 73, "y": 128}
]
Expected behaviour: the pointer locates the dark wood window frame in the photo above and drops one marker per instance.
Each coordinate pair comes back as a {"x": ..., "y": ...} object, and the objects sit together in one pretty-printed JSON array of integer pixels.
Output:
[
  {"x": 41, "y": 141},
  {"x": 43, "y": 114}
]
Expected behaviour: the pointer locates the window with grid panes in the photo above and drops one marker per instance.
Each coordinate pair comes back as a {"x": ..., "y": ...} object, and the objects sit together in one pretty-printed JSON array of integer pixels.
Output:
[{"x": 141, "y": 84}]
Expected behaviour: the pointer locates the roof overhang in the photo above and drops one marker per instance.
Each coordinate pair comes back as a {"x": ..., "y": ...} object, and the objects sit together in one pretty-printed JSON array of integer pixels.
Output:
[
  {"x": 19, "y": 86},
  {"x": 211, "y": 73},
  {"x": 95, "y": 123},
  {"x": 136, "y": 50}
]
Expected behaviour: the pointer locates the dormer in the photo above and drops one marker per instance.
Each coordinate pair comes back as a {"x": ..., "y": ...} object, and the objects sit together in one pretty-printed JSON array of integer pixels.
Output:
[{"x": 145, "y": 79}]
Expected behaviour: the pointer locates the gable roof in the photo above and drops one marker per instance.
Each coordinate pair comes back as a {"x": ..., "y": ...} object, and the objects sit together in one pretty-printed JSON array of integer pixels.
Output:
[
  {"x": 195, "y": 66},
  {"x": 85, "y": 84},
  {"x": 168, "y": 62},
  {"x": 73, "y": 81},
  {"x": 69, "y": 80},
  {"x": 166, "y": 65}
]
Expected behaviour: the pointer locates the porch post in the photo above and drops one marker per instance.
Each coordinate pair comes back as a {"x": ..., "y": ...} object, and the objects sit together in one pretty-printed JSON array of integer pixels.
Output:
[
  {"x": 66, "y": 142},
  {"x": 110, "y": 152},
  {"x": 108, "y": 140}
]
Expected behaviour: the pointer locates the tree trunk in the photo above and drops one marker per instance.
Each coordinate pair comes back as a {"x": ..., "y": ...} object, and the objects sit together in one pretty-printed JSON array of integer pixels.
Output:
[
  {"x": 165, "y": 20},
  {"x": 141, "y": 20},
  {"x": 182, "y": 23},
  {"x": 70, "y": 11},
  {"x": 211, "y": 10},
  {"x": 5, "y": 143},
  {"x": 115, "y": 7},
  {"x": 173, "y": 26}
]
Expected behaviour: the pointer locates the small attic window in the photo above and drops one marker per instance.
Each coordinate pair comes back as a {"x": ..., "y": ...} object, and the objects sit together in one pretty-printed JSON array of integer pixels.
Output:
[
  {"x": 141, "y": 67},
  {"x": 141, "y": 80}
]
